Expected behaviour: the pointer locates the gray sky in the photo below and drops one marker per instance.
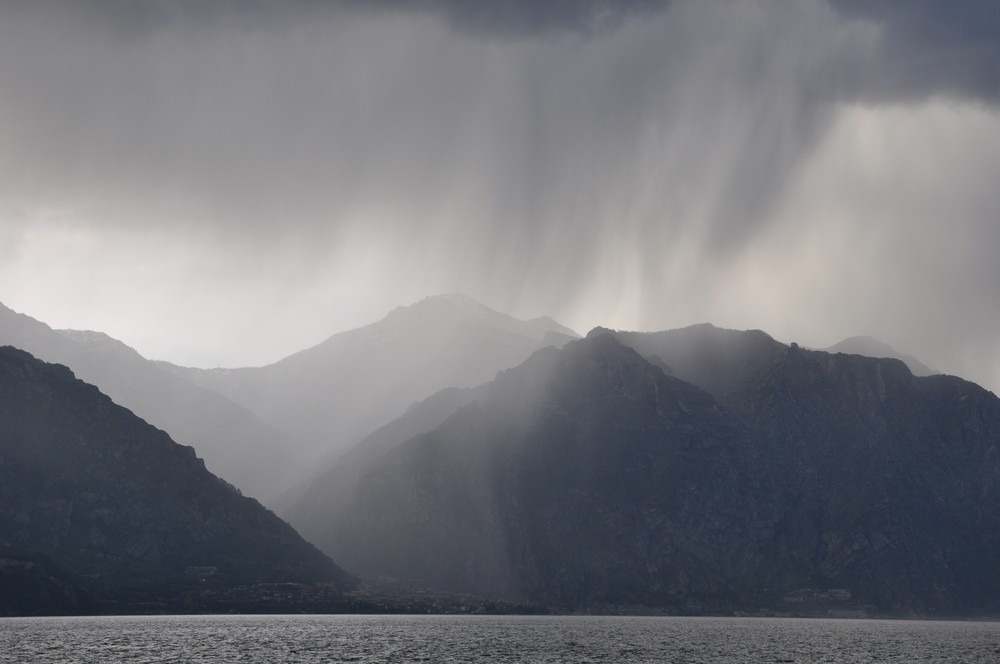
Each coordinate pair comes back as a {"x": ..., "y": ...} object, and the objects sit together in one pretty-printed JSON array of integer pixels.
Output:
[{"x": 226, "y": 183}]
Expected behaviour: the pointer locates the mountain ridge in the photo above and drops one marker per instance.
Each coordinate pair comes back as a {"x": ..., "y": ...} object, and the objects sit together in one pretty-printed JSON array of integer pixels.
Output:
[
  {"x": 231, "y": 439},
  {"x": 268, "y": 428},
  {"x": 589, "y": 475},
  {"x": 872, "y": 347},
  {"x": 333, "y": 394}
]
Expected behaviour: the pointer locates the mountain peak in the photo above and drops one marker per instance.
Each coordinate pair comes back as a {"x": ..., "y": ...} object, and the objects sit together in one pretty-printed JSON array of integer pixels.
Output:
[
  {"x": 599, "y": 331},
  {"x": 456, "y": 300},
  {"x": 872, "y": 347},
  {"x": 450, "y": 308},
  {"x": 447, "y": 306}
]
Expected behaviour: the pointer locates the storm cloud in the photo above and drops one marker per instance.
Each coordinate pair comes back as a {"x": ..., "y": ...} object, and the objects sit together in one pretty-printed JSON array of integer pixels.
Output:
[
  {"x": 224, "y": 183},
  {"x": 932, "y": 47}
]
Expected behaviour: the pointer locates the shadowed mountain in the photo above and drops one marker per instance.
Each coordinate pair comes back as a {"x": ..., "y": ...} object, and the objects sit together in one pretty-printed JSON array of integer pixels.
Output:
[
  {"x": 870, "y": 347},
  {"x": 32, "y": 585},
  {"x": 588, "y": 475},
  {"x": 332, "y": 395},
  {"x": 107, "y": 496},
  {"x": 234, "y": 442},
  {"x": 519, "y": 492}
]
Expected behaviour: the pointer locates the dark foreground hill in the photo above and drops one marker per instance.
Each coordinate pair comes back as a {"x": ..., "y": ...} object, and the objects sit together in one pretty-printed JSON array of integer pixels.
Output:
[
  {"x": 760, "y": 477},
  {"x": 117, "y": 505},
  {"x": 234, "y": 443}
]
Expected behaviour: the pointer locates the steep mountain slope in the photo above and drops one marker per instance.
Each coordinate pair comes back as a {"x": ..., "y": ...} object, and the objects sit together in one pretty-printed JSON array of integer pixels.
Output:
[
  {"x": 870, "y": 347},
  {"x": 234, "y": 443},
  {"x": 308, "y": 505},
  {"x": 583, "y": 474},
  {"x": 895, "y": 470},
  {"x": 335, "y": 393},
  {"x": 589, "y": 475},
  {"x": 117, "y": 502}
]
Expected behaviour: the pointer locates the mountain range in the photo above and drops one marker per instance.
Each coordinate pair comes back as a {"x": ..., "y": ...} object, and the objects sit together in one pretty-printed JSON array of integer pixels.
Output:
[
  {"x": 267, "y": 429},
  {"x": 234, "y": 442},
  {"x": 696, "y": 470},
  {"x": 330, "y": 396},
  {"x": 692, "y": 470}
]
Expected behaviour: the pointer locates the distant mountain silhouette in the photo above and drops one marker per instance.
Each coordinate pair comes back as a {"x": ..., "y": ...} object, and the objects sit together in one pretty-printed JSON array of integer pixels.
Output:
[
  {"x": 234, "y": 442},
  {"x": 871, "y": 347},
  {"x": 758, "y": 476},
  {"x": 332, "y": 395},
  {"x": 110, "y": 498}
]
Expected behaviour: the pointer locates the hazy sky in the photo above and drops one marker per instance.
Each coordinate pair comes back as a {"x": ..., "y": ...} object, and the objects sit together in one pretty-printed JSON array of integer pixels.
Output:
[{"x": 225, "y": 183}]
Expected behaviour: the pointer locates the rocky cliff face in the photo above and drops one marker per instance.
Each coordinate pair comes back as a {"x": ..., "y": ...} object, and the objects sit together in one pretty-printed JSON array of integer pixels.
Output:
[
  {"x": 589, "y": 475},
  {"x": 117, "y": 502},
  {"x": 890, "y": 483}
]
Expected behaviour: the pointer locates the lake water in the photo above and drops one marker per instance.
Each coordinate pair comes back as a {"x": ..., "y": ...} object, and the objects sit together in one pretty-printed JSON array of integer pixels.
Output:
[{"x": 492, "y": 639}]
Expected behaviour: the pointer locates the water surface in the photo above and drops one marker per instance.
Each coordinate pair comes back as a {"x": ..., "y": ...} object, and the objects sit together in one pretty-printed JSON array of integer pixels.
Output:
[{"x": 490, "y": 639}]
